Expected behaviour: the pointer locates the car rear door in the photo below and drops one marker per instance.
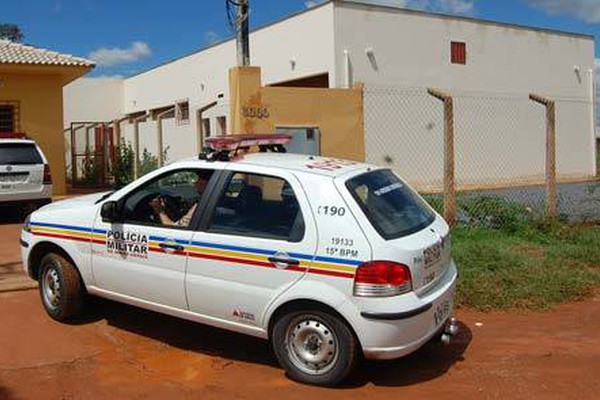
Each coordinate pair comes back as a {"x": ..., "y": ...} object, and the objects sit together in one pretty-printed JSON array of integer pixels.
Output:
[
  {"x": 400, "y": 225},
  {"x": 257, "y": 239},
  {"x": 21, "y": 168}
]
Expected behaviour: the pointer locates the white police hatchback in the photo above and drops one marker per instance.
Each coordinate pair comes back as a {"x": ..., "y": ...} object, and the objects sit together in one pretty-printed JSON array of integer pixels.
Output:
[{"x": 330, "y": 260}]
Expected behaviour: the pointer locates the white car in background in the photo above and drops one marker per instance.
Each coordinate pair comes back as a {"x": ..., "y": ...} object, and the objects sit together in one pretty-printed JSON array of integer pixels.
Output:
[
  {"x": 25, "y": 178},
  {"x": 330, "y": 260}
]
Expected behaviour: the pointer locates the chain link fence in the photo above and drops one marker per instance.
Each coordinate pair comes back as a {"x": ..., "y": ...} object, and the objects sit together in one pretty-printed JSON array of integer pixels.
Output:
[{"x": 498, "y": 160}]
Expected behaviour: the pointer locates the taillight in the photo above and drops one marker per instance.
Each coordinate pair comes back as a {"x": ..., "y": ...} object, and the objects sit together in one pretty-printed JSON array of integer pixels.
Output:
[
  {"x": 382, "y": 279},
  {"x": 47, "y": 175}
]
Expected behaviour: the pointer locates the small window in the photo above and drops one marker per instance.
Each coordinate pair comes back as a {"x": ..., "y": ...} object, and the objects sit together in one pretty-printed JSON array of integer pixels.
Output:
[
  {"x": 182, "y": 112},
  {"x": 7, "y": 118},
  {"x": 170, "y": 200},
  {"x": 458, "y": 52},
  {"x": 258, "y": 206},
  {"x": 222, "y": 123}
]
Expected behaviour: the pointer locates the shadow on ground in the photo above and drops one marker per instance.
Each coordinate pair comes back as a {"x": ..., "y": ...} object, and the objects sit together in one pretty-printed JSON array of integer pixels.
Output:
[
  {"x": 428, "y": 363},
  {"x": 179, "y": 333},
  {"x": 11, "y": 215},
  {"x": 6, "y": 394}
]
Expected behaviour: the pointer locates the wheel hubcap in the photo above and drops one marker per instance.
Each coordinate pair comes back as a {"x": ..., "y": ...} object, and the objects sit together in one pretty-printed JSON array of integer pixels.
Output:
[
  {"x": 51, "y": 288},
  {"x": 312, "y": 346}
]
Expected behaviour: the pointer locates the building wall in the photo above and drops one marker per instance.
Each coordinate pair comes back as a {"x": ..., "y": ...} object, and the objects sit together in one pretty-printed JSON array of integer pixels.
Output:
[
  {"x": 93, "y": 100},
  {"x": 203, "y": 77},
  {"x": 499, "y": 133},
  {"x": 337, "y": 112},
  {"x": 40, "y": 109}
]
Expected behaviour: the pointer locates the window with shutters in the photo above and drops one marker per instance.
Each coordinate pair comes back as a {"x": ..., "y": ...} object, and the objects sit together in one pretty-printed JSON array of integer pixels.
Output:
[
  {"x": 8, "y": 117},
  {"x": 458, "y": 53}
]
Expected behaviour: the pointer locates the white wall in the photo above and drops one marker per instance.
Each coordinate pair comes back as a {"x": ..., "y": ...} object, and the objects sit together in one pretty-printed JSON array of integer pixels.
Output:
[
  {"x": 93, "y": 100},
  {"x": 499, "y": 133}
]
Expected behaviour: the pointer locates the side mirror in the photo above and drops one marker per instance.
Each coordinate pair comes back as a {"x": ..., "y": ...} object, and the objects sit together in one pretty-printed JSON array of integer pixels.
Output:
[{"x": 109, "y": 211}]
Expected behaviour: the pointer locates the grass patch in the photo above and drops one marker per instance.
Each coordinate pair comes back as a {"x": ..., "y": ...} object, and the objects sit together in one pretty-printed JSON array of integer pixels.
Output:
[{"x": 525, "y": 266}]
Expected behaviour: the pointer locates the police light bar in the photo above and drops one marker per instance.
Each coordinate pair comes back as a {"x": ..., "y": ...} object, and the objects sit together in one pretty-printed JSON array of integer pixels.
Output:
[
  {"x": 13, "y": 135},
  {"x": 234, "y": 142}
]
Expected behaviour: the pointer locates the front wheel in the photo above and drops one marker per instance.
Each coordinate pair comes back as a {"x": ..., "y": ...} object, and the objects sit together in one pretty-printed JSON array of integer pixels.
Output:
[
  {"x": 61, "y": 288},
  {"x": 315, "y": 347}
]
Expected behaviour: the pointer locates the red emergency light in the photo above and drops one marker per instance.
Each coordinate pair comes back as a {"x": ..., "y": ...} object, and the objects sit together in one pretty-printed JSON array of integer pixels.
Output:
[
  {"x": 13, "y": 135},
  {"x": 221, "y": 147},
  {"x": 234, "y": 142}
]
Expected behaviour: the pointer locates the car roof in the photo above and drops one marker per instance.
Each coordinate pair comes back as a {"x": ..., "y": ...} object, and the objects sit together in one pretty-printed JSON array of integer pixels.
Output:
[
  {"x": 325, "y": 166},
  {"x": 28, "y": 141}
]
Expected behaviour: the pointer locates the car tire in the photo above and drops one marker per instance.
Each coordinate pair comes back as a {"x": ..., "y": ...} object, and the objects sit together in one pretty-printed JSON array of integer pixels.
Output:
[
  {"x": 315, "y": 347},
  {"x": 61, "y": 288}
]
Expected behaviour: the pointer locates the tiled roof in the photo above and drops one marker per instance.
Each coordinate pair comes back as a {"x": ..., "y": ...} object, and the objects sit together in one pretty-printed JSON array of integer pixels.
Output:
[{"x": 16, "y": 53}]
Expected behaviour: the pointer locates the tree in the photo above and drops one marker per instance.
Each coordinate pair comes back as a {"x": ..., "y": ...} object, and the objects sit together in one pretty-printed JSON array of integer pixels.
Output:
[{"x": 11, "y": 32}]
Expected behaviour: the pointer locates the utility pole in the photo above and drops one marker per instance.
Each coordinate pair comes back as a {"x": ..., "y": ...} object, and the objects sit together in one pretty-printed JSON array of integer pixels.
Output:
[{"x": 242, "y": 33}]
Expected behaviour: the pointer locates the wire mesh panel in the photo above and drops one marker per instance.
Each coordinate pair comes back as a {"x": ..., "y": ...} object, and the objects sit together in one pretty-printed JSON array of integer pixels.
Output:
[
  {"x": 404, "y": 130},
  {"x": 500, "y": 152}
]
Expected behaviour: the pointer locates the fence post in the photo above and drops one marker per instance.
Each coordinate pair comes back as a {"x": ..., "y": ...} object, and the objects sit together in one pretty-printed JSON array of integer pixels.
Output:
[
  {"x": 551, "y": 197},
  {"x": 449, "y": 183}
]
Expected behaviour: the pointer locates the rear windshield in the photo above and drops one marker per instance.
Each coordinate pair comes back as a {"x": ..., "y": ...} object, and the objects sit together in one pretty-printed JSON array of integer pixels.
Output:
[
  {"x": 19, "y": 154},
  {"x": 393, "y": 208}
]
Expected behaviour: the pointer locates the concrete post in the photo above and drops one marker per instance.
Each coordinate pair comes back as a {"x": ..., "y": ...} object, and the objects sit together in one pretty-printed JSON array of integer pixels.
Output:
[
  {"x": 551, "y": 196},
  {"x": 449, "y": 166}
]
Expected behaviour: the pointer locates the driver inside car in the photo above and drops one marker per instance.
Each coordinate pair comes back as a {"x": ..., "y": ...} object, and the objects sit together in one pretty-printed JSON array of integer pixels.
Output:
[{"x": 159, "y": 206}]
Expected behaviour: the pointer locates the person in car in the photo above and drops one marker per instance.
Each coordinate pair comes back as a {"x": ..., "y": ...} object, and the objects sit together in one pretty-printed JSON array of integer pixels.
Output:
[{"x": 159, "y": 207}]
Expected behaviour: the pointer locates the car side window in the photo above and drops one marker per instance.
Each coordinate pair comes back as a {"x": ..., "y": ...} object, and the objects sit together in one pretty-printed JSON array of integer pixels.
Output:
[
  {"x": 169, "y": 200},
  {"x": 258, "y": 206}
]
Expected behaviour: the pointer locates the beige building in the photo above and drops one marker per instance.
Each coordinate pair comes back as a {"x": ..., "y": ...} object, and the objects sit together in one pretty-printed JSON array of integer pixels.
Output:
[{"x": 31, "y": 98}]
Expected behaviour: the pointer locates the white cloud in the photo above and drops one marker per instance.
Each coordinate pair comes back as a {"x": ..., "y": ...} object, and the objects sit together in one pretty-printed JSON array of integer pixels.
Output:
[
  {"x": 107, "y": 57},
  {"x": 461, "y": 7},
  {"x": 312, "y": 3},
  {"x": 458, "y": 7},
  {"x": 586, "y": 10},
  {"x": 211, "y": 37}
]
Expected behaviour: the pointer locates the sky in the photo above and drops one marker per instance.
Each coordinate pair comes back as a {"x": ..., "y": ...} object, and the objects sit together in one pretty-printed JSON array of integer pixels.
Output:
[{"x": 125, "y": 37}]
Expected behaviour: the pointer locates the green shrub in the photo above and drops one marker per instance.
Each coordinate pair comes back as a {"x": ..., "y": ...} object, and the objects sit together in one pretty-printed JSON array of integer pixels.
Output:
[
  {"x": 90, "y": 169},
  {"x": 123, "y": 165}
]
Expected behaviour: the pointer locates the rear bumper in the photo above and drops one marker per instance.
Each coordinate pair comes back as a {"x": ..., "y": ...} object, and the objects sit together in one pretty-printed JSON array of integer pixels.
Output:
[
  {"x": 386, "y": 334},
  {"x": 43, "y": 196}
]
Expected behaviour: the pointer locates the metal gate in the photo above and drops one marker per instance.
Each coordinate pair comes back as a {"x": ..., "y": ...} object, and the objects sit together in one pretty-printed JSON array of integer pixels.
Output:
[{"x": 92, "y": 154}]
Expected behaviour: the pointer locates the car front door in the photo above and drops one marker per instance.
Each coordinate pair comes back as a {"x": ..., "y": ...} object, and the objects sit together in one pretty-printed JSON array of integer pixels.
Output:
[
  {"x": 256, "y": 240},
  {"x": 143, "y": 257}
]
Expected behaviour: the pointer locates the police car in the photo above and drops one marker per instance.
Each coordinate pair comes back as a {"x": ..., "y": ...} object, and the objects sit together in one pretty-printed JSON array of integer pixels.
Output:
[{"x": 330, "y": 260}]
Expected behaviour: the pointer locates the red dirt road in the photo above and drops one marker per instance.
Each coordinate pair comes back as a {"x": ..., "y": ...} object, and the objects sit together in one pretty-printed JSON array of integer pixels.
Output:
[{"x": 120, "y": 352}]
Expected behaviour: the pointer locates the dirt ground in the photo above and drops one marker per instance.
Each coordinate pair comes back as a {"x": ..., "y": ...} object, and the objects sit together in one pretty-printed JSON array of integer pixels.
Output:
[{"x": 121, "y": 352}]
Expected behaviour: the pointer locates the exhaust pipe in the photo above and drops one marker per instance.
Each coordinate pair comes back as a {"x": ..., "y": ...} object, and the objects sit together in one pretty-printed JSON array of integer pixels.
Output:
[{"x": 450, "y": 329}]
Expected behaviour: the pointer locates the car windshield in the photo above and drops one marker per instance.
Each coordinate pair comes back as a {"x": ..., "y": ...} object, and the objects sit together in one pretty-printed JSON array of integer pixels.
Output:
[
  {"x": 392, "y": 207},
  {"x": 19, "y": 154}
]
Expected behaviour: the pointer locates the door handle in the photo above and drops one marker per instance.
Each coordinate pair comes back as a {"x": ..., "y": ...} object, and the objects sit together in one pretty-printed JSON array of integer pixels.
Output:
[
  {"x": 171, "y": 246},
  {"x": 281, "y": 260}
]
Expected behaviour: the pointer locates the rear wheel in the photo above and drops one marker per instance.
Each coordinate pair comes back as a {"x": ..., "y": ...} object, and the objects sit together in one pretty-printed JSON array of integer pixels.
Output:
[
  {"x": 61, "y": 288},
  {"x": 315, "y": 347}
]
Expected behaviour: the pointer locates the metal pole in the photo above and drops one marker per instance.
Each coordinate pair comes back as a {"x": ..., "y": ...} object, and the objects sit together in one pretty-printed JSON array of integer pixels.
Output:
[{"x": 242, "y": 33}]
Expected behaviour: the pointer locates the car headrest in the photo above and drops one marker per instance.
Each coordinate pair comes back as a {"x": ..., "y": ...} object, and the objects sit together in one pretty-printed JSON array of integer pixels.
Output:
[{"x": 250, "y": 198}]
